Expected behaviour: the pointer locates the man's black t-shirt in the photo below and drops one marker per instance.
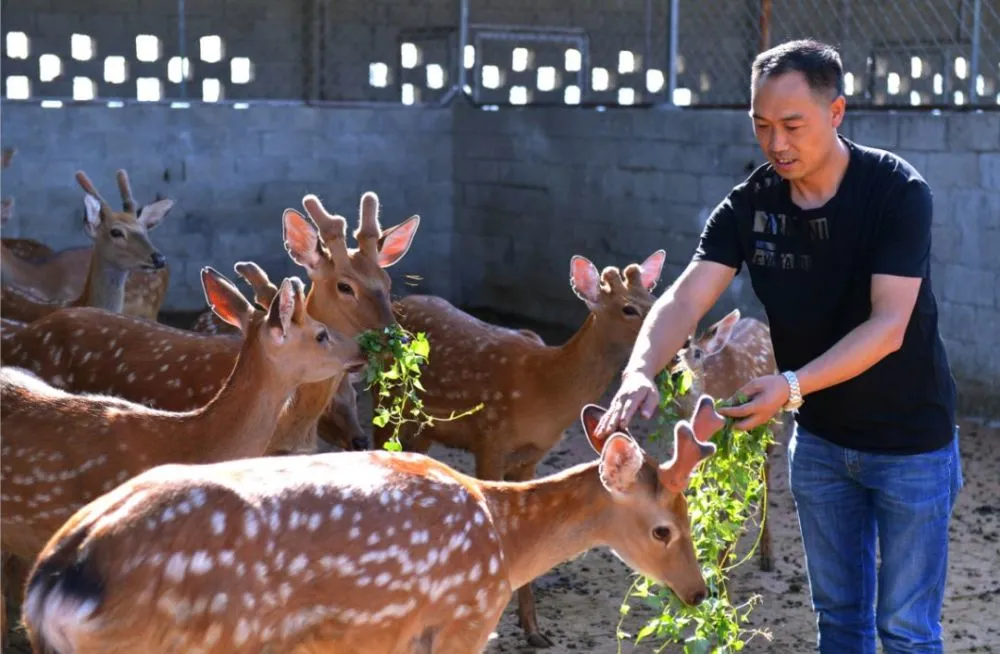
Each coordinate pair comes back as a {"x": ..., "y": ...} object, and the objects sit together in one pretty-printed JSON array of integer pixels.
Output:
[{"x": 812, "y": 270}]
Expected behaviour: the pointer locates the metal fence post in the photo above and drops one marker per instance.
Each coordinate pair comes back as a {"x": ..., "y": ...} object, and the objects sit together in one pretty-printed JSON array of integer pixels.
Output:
[
  {"x": 977, "y": 16},
  {"x": 672, "y": 52},
  {"x": 181, "y": 46}
]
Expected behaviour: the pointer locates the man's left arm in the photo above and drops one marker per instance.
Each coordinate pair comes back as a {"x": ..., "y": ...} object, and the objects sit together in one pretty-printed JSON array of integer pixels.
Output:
[{"x": 902, "y": 258}]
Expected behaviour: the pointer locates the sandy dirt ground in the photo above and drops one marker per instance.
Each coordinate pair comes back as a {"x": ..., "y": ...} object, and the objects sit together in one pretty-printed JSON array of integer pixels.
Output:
[{"x": 578, "y": 601}]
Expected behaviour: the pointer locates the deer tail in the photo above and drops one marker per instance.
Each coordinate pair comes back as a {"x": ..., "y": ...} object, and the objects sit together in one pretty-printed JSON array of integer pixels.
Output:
[{"x": 63, "y": 592}]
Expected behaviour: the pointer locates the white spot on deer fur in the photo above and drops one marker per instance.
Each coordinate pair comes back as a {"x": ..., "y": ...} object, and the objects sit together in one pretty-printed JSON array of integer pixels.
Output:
[
  {"x": 373, "y": 538},
  {"x": 218, "y": 522},
  {"x": 227, "y": 557},
  {"x": 242, "y": 632},
  {"x": 314, "y": 521},
  {"x": 168, "y": 515},
  {"x": 353, "y": 533},
  {"x": 250, "y": 525},
  {"x": 176, "y": 567},
  {"x": 212, "y": 635},
  {"x": 298, "y": 564},
  {"x": 201, "y": 562}
]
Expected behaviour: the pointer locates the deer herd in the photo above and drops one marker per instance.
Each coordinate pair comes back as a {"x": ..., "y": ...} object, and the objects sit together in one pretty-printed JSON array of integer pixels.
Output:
[{"x": 164, "y": 490}]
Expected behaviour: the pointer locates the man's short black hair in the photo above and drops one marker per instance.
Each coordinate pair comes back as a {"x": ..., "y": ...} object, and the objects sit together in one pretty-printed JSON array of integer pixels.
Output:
[{"x": 819, "y": 62}]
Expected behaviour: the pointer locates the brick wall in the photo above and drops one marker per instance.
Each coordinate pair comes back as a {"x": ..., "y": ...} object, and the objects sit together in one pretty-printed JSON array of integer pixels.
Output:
[
  {"x": 534, "y": 187},
  {"x": 232, "y": 173},
  {"x": 506, "y": 197}
]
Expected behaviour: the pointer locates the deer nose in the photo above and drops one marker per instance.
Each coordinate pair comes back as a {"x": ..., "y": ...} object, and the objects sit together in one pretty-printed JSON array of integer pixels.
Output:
[
  {"x": 698, "y": 597},
  {"x": 158, "y": 260},
  {"x": 359, "y": 443}
]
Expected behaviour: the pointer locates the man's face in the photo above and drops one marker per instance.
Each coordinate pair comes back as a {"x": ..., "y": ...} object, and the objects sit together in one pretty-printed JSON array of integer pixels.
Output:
[{"x": 795, "y": 127}]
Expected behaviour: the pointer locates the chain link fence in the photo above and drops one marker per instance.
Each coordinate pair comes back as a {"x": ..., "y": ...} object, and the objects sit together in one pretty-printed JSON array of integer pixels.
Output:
[{"x": 897, "y": 53}]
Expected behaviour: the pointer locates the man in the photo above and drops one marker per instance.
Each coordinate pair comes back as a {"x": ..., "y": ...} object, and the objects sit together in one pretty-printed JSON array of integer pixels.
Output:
[{"x": 837, "y": 240}]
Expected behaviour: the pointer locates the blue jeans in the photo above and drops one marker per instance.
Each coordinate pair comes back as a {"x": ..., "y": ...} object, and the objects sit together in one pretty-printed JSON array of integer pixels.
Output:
[{"x": 844, "y": 498}]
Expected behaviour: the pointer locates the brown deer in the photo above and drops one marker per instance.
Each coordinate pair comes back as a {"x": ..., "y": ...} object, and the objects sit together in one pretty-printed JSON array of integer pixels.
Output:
[
  {"x": 121, "y": 245},
  {"x": 83, "y": 350},
  {"x": 62, "y": 450},
  {"x": 532, "y": 392},
  {"x": 728, "y": 355},
  {"x": 60, "y": 276},
  {"x": 351, "y": 551}
]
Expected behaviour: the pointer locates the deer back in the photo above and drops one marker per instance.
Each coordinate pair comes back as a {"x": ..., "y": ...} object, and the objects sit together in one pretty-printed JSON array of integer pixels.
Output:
[
  {"x": 255, "y": 554},
  {"x": 530, "y": 391},
  {"x": 71, "y": 448}
]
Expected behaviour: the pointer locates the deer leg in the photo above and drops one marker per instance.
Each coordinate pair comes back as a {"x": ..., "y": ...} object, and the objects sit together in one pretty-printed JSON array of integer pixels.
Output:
[{"x": 526, "y": 613}]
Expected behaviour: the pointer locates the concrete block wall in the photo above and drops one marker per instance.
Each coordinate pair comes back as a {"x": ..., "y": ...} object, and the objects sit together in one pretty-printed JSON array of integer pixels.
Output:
[
  {"x": 506, "y": 197},
  {"x": 232, "y": 173},
  {"x": 322, "y": 49},
  {"x": 534, "y": 187}
]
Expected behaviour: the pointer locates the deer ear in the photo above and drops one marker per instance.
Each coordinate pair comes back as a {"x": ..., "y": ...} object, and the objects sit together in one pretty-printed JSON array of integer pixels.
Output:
[
  {"x": 688, "y": 453},
  {"x": 152, "y": 214},
  {"x": 590, "y": 416},
  {"x": 705, "y": 420},
  {"x": 92, "y": 214},
  {"x": 722, "y": 331},
  {"x": 621, "y": 461},
  {"x": 302, "y": 241},
  {"x": 652, "y": 267},
  {"x": 282, "y": 310},
  {"x": 225, "y": 299},
  {"x": 396, "y": 241},
  {"x": 585, "y": 280}
]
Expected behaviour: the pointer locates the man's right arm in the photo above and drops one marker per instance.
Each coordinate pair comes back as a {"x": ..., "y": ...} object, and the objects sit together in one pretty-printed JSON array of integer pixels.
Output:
[{"x": 675, "y": 314}]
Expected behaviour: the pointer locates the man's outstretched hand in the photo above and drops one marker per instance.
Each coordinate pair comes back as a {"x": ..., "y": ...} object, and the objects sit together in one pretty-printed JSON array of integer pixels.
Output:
[
  {"x": 637, "y": 392},
  {"x": 766, "y": 395}
]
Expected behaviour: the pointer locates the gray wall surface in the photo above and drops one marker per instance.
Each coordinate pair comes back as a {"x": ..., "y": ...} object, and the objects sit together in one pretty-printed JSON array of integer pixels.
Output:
[
  {"x": 321, "y": 49},
  {"x": 506, "y": 197}
]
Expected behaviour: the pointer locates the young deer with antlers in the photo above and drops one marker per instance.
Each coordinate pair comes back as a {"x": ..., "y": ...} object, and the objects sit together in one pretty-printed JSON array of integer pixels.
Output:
[
  {"x": 532, "y": 392},
  {"x": 728, "y": 355},
  {"x": 121, "y": 245},
  {"x": 351, "y": 551},
  {"x": 62, "y": 450}
]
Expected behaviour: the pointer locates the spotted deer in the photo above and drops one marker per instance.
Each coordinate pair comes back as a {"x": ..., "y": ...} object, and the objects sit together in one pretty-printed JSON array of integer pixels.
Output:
[
  {"x": 62, "y": 450},
  {"x": 82, "y": 350},
  {"x": 532, "y": 392},
  {"x": 121, "y": 245},
  {"x": 372, "y": 551},
  {"x": 726, "y": 356}
]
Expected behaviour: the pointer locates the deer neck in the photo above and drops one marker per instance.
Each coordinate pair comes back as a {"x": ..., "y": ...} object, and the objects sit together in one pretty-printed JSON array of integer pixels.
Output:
[
  {"x": 580, "y": 370},
  {"x": 105, "y": 285},
  {"x": 240, "y": 420},
  {"x": 544, "y": 522},
  {"x": 297, "y": 423}
]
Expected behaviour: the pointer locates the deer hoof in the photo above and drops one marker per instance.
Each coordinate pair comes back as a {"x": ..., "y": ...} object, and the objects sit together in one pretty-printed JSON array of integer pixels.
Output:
[{"x": 539, "y": 640}]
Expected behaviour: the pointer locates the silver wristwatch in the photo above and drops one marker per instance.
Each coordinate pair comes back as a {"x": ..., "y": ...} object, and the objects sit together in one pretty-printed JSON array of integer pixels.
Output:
[{"x": 795, "y": 394}]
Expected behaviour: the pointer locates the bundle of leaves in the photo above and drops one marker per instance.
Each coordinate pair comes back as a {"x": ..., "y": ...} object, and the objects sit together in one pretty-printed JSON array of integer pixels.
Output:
[
  {"x": 724, "y": 494},
  {"x": 395, "y": 361}
]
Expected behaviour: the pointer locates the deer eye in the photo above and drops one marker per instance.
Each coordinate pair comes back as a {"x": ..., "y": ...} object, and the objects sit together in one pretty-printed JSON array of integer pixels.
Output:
[
  {"x": 322, "y": 336},
  {"x": 117, "y": 233},
  {"x": 345, "y": 288},
  {"x": 630, "y": 310},
  {"x": 662, "y": 534}
]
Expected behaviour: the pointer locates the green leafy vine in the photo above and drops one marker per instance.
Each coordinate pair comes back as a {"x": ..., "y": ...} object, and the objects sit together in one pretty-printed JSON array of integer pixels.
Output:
[
  {"x": 722, "y": 497},
  {"x": 395, "y": 359}
]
